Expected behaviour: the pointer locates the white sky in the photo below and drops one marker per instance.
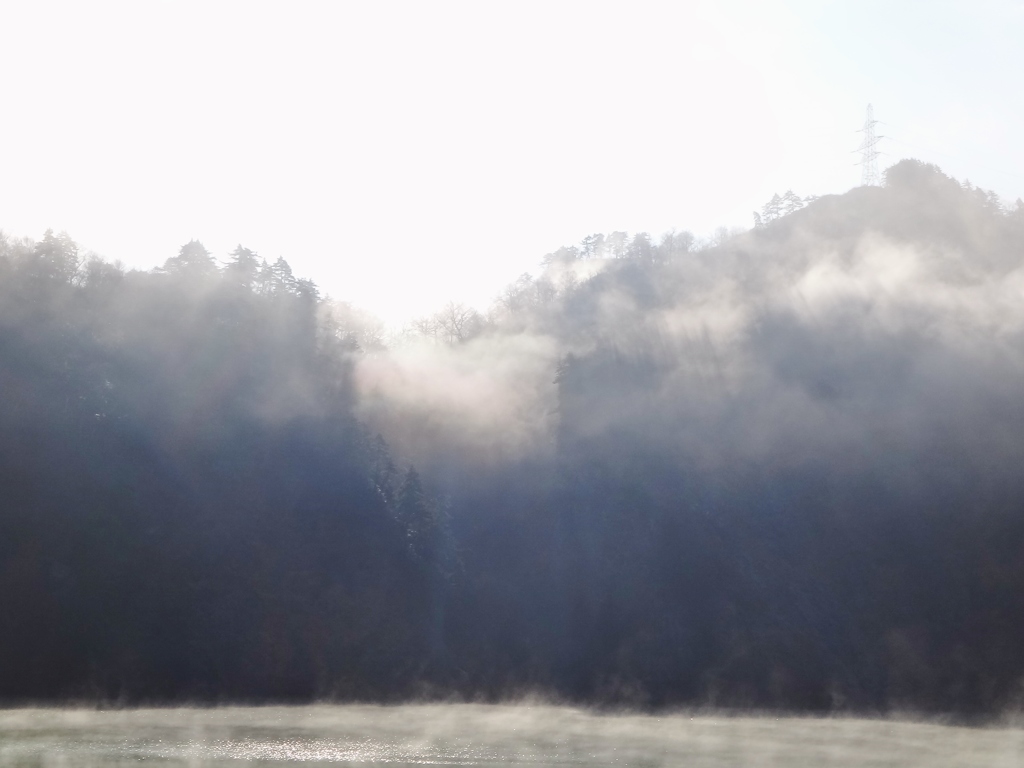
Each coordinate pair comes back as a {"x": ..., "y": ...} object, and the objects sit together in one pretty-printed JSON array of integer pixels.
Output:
[{"x": 404, "y": 153}]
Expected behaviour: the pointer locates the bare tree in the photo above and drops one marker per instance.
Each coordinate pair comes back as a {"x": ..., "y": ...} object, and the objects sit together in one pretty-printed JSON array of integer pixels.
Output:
[{"x": 456, "y": 322}]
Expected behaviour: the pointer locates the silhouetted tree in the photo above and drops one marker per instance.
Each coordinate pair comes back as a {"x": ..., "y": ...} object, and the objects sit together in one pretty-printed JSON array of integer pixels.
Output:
[
  {"x": 592, "y": 246},
  {"x": 193, "y": 261},
  {"x": 640, "y": 247},
  {"x": 414, "y": 511},
  {"x": 55, "y": 257},
  {"x": 243, "y": 268}
]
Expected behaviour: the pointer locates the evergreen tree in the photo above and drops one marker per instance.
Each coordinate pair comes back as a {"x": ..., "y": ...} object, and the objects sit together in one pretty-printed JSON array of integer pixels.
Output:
[
  {"x": 55, "y": 257},
  {"x": 243, "y": 268},
  {"x": 192, "y": 261}
]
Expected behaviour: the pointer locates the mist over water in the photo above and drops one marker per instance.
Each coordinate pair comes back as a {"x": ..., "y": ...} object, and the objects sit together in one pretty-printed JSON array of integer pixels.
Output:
[{"x": 477, "y": 735}]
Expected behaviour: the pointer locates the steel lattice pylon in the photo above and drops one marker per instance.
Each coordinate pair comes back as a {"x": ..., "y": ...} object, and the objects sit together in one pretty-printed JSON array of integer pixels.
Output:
[{"x": 869, "y": 151}]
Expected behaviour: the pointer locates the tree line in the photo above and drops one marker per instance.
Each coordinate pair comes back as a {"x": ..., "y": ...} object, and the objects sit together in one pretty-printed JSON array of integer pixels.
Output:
[
  {"x": 189, "y": 508},
  {"x": 780, "y": 470}
]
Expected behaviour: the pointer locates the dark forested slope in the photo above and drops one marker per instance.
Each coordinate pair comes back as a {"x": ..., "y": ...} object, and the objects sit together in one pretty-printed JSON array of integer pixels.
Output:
[
  {"x": 781, "y": 469},
  {"x": 187, "y": 504}
]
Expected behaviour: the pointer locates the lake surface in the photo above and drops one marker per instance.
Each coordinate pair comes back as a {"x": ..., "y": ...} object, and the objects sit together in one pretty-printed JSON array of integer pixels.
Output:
[{"x": 481, "y": 735}]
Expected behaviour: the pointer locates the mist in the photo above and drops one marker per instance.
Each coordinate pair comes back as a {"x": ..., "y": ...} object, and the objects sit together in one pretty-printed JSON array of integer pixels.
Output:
[
  {"x": 813, "y": 422},
  {"x": 774, "y": 469},
  {"x": 883, "y": 316},
  {"x": 528, "y": 733}
]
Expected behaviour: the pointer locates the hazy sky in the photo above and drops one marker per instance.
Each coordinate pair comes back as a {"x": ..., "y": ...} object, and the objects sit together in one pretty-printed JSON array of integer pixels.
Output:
[{"x": 404, "y": 153}]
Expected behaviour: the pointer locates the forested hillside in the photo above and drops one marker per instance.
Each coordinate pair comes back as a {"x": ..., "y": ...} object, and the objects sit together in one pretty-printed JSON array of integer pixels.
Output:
[
  {"x": 188, "y": 506},
  {"x": 778, "y": 469}
]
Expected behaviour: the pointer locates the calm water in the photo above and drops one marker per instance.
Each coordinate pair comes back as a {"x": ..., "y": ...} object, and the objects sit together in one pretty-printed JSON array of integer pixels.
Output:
[{"x": 476, "y": 735}]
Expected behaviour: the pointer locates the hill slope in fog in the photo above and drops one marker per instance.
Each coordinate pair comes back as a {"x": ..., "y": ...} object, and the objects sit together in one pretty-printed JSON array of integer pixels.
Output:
[{"x": 780, "y": 470}]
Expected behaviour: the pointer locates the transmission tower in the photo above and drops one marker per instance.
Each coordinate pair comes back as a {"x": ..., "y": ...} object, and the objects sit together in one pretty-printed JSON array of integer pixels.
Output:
[{"x": 869, "y": 151}]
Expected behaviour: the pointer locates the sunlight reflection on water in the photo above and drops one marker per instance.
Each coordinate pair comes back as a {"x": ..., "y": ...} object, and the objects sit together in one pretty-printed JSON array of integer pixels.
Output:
[
  {"x": 476, "y": 735},
  {"x": 323, "y": 750}
]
